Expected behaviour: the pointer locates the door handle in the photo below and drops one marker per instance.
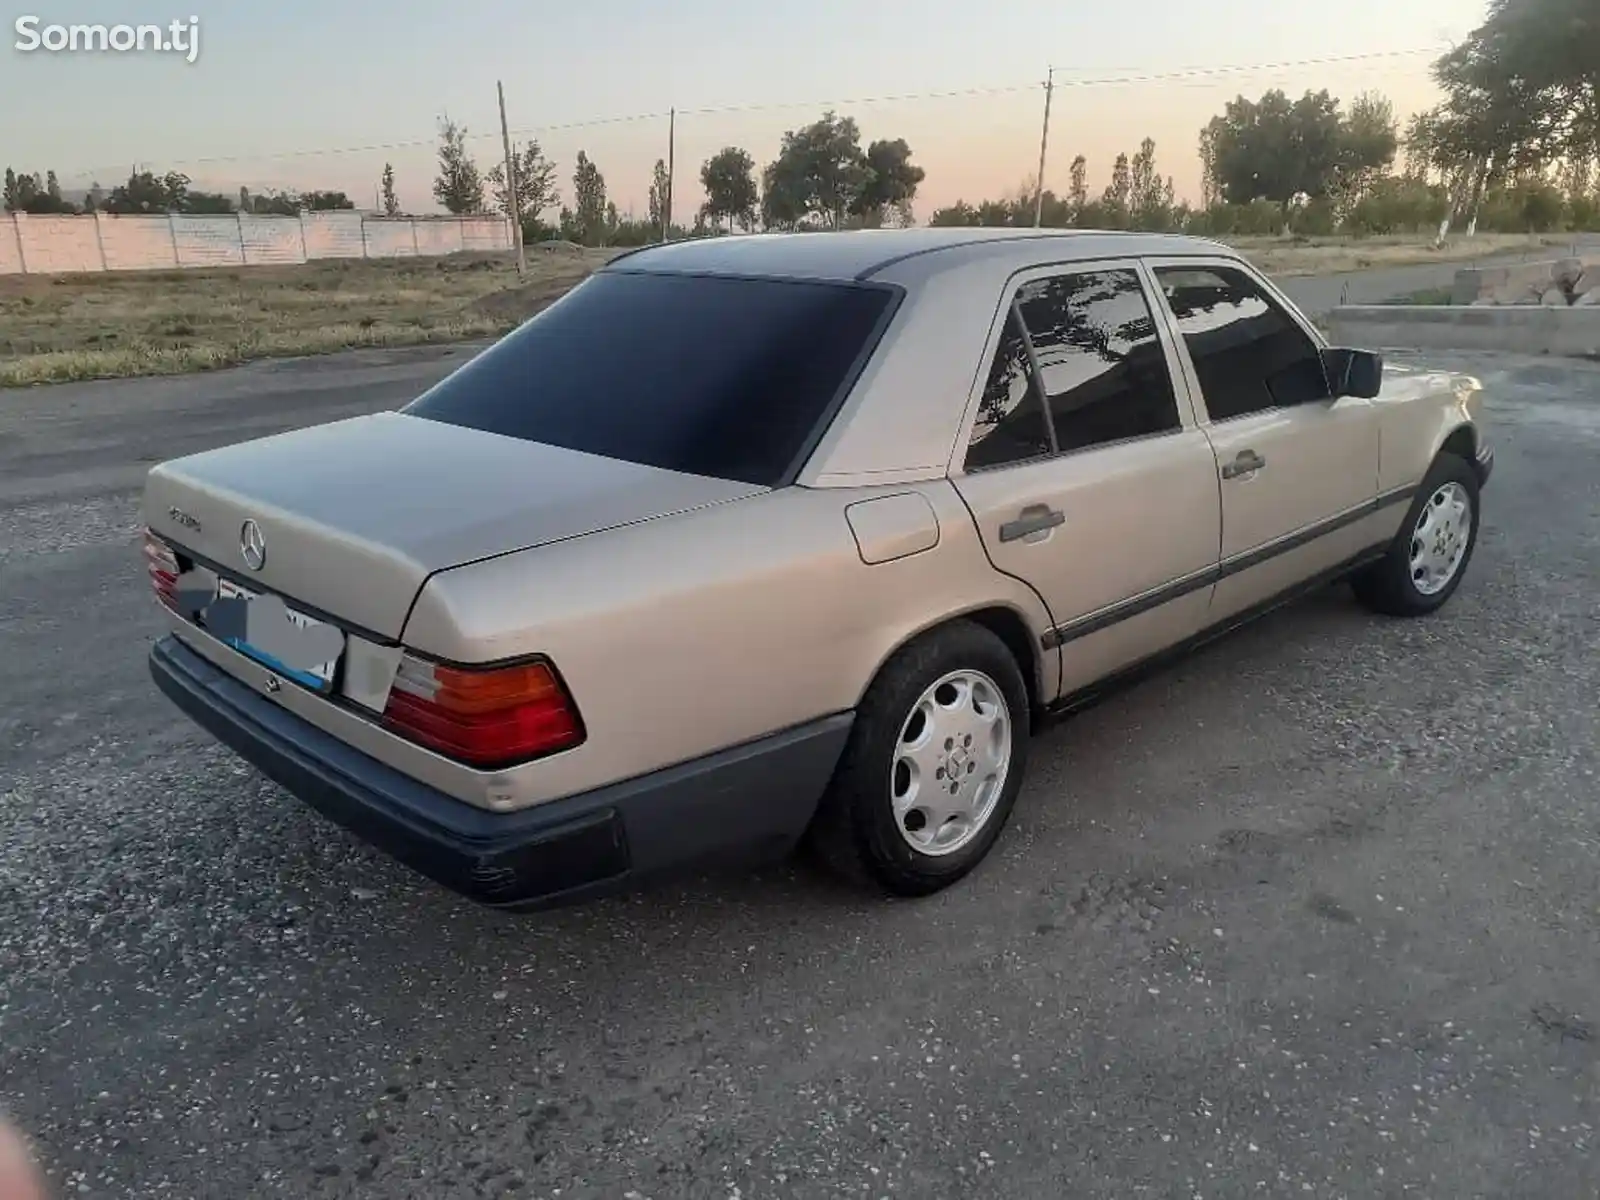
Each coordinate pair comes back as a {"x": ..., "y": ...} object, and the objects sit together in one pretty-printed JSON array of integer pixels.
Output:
[
  {"x": 1246, "y": 462},
  {"x": 1036, "y": 518}
]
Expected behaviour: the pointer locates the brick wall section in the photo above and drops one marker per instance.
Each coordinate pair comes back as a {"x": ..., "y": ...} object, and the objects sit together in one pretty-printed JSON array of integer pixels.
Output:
[{"x": 73, "y": 244}]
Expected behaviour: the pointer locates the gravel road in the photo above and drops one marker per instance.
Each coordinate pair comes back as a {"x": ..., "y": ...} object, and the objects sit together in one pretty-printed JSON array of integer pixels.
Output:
[{"x": 1311, "y": 914}]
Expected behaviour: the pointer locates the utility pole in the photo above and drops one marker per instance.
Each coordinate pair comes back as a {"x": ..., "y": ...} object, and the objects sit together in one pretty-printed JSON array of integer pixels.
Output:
[
  {"x": 672, "y": 146},
  {"x": 1044, "y": 141},
  {"x": 512, "y": 202}
]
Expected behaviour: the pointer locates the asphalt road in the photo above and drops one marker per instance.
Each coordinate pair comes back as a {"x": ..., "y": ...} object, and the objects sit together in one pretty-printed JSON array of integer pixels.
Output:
[{"x": 1311, "y": 914}]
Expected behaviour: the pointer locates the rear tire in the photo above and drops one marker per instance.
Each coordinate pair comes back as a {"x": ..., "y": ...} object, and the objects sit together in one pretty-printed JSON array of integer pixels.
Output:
[
  {"x": 1424, "y": 565},
  {"x": 932, "y": 769}
]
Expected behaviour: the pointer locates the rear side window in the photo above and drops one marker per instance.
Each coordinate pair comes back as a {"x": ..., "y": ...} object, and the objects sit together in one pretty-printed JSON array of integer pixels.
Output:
[
  {"x": 1010, "y": 425},
  {"x": 1100, "y": 360},
  {"x": 727, "y": 378},
  {"x": 1249, "y": 354}
]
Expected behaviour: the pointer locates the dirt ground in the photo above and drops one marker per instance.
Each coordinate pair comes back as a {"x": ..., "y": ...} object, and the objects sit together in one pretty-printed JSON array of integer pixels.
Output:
[
  {"x": 117, "y": 325},
  {"x": 65, "y": 328}
]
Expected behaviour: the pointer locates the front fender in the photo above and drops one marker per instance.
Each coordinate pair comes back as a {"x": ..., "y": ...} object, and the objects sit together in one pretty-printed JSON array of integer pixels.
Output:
[{"x": 1420, "y": 412}]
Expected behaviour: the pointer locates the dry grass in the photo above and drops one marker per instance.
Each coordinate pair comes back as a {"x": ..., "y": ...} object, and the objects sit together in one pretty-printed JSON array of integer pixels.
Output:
[
  {"x": 1334, "y": 256},
  {"x": 111, "y": 326},
  {"x": 105, "y": 326}
]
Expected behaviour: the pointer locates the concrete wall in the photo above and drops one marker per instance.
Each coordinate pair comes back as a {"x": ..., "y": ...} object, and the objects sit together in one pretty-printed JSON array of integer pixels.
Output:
[
  {"x": 1571, "y": 332},
  {"x": 126, "y": 243},
  {"x": 96, "y": 242}
]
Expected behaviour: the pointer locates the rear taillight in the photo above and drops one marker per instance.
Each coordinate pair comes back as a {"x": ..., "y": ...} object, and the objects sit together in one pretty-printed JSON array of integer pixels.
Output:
[
  {"x": 162, "y": 564},
  {"x": 484, "y": 717}
]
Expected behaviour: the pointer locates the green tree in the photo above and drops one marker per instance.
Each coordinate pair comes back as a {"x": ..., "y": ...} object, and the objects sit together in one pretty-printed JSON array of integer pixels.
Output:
[
  {"x": 459, "y": 185},
  {"x": 1542, "y": 56},
  {"x": 820, "y": 173},
  {"x": 145, "y": 192},
  {"x": 1078, "y": 189},
  {"x": 276, "y": 204},
  {"x": 536, "y": 183},
  {"x": 589, "y": 204},
  {"x": 955, "y": 215},
  {"x": 28, "y": 193},
  {"x": 325, "y": 201},
  {"x": 391, "y": 200},
  {"x": 892, "y": 184},
  {"x": 1521, "y": 93},
  {"x": 1151, "y": 197},
  {"x": 1369, "y": 140},
  {"x": 1276, "y": 149},
  {"x": 728, "y": 177},
  {"x": 660, "y": 198},
  {"x": 1210, "y": 185},
  {"x": 207, "y": 203},
  {"x": 1118, "y": 197}
]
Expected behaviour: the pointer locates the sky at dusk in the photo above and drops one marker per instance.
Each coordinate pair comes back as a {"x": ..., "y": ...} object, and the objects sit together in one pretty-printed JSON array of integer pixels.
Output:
[{"x": 302, "y": 94}]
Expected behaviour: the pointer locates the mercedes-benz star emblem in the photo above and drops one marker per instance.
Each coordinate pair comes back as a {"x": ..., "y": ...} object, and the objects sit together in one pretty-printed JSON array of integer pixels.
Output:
[{"x": 252, "y": 546}]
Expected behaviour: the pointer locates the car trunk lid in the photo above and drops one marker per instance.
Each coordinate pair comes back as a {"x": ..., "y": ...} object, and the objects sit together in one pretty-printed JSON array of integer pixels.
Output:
[{"x": 355, "y": 515}]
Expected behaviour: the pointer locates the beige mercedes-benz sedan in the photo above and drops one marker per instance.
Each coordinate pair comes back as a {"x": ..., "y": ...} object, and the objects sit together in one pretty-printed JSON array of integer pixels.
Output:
[{"x": 753, "y": 541}]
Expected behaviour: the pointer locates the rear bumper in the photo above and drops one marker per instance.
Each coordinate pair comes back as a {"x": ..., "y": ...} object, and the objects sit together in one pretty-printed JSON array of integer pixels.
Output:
[
  {"x": 1484, "y": 464},
  {"x": 738, "y": 807}
]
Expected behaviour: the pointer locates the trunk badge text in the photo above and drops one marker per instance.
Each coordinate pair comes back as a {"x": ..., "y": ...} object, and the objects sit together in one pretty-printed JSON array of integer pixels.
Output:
[
  {"x": 252, "y": 546},
  {"x": 183, "y": 518}
]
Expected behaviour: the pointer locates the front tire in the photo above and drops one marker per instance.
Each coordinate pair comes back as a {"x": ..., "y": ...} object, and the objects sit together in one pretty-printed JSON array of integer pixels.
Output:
[
  {"x": 933, "y": 766},
  {"x": 1425, "y": 563}
]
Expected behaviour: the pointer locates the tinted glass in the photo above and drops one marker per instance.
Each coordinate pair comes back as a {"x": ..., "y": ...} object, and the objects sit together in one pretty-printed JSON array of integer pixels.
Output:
[
  {"x": 1248, "y": 353},
  {"x": 1010, "y": 423},
  {"x": 1100, "y": 360},
  {"x": 720, "y": 377}
]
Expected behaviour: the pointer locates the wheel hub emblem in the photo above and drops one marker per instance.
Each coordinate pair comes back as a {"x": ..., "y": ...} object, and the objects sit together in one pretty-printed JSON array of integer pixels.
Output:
[{"x": 252, "y": 546}]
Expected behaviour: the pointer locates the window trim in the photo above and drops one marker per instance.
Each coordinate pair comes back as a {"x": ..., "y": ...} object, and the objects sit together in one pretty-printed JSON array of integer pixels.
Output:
[
  {"x": 1182, "y": 393},
  {"x": 1288, "y": 307}
]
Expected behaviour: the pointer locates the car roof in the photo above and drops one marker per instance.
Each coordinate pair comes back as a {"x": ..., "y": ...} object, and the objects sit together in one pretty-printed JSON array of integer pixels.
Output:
[{"x": 860, "y": 254}]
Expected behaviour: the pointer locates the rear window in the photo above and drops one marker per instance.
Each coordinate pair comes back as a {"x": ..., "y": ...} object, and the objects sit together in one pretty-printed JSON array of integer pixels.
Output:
[{"x": 727, "y": 378}]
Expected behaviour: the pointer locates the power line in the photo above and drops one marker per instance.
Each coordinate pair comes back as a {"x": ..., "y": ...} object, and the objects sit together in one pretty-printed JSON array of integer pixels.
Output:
[{"x": 839, "y": 103}]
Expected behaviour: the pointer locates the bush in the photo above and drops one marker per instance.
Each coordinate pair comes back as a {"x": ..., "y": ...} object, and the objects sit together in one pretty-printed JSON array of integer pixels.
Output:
[
  {"x": 1398, "y": 205},
  {"x": 1315, "y": 219}
]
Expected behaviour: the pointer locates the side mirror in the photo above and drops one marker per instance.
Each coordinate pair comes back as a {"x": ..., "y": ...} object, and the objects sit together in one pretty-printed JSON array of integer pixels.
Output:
[{"x": 1356, "y": 373}]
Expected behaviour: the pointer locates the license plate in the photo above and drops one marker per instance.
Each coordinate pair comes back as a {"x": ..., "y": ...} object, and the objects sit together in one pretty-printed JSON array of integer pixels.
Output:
[{"x": 280, "y": 636}]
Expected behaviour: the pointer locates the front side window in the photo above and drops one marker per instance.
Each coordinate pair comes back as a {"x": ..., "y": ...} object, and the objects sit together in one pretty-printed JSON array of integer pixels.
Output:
[
  {"x": 1103, "y": 371},
  {"x": 1249, "y": 354}
]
